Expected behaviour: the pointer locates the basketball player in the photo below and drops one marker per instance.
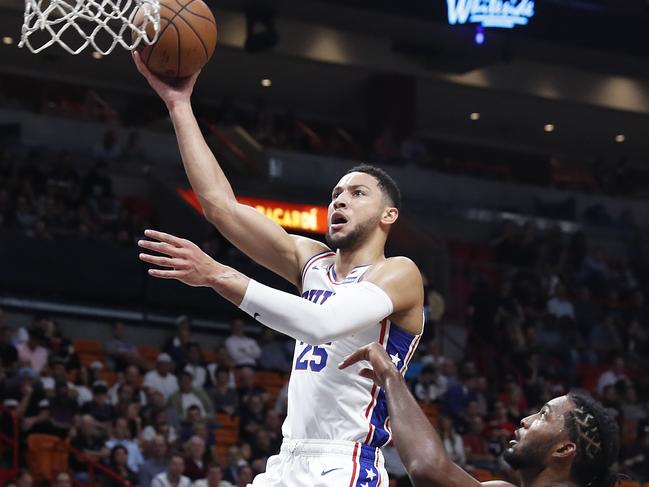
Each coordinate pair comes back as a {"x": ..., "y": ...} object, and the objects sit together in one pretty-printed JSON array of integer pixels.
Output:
[
  {"x": 351, "y": 295},
  {"x": 572, "y": 441}
]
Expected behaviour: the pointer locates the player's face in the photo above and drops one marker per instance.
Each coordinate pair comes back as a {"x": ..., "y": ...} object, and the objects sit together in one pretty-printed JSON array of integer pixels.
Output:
[
  {"x": 355, "y": 210},
  {"x": 539, "y": 435}
]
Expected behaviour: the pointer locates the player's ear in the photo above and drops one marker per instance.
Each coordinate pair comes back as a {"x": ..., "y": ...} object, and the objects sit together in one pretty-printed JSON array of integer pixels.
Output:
[
  {"x": 565, "y": 449},
  {"x": 390, "y": 215}
]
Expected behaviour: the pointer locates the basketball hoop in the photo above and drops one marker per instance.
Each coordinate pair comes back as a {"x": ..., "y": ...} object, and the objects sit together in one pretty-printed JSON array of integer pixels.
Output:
[{"x": 76, "y": 24}]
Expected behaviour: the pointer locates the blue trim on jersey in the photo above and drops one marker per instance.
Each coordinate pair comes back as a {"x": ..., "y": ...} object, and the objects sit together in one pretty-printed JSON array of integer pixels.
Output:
[
  {"x": 349, "y": 279},
  {"x": 397, "y": 345},
  {"x": 368, "y": 474},
  {"x": 310, "y": 260}
]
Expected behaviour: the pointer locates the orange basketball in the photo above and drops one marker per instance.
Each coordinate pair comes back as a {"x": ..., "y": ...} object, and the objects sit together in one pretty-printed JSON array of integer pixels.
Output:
[{"x": 186, "y": 40}]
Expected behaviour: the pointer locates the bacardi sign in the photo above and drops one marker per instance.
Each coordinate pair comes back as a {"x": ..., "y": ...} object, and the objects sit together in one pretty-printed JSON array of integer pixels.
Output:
[{"x": 490, "y": 13}]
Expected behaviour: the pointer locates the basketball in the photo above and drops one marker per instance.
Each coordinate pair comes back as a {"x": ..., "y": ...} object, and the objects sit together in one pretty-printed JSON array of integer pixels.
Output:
[{"x": 186, "y": 41}]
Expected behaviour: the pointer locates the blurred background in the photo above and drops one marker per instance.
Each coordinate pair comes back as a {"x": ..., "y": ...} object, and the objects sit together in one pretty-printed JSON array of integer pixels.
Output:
[{"x": 523, "y": 158}]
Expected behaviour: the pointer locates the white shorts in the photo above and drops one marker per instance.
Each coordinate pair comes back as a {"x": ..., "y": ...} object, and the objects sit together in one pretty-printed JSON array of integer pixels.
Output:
[{"x": 322, "y": 463}]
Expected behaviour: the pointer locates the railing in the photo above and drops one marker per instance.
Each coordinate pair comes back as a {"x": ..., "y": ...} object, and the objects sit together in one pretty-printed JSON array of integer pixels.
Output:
[
  {"x": 14, "y": 440},
  {"x": 95, "y": 465}
]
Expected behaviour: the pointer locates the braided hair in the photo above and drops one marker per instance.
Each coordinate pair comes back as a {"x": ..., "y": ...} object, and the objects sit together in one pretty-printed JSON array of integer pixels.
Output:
[{"x": 595, "y": 433}]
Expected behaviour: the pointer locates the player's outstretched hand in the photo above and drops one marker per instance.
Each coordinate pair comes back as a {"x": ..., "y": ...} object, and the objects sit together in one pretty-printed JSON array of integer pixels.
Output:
[
  {"x": 185, "y": 261},
  {"x": 170, "y": 93},
  {"x": 375, "y": 354}
]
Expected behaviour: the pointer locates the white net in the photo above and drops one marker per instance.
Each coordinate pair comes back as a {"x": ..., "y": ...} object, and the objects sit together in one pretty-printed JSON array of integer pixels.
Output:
[{"x": 102, "y": 24}]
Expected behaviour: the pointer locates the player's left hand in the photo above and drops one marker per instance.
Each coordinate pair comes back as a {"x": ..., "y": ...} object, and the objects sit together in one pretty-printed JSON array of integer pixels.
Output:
[
  {"x": 187, "y": 262},
  {"x": 375, "y": 354}
]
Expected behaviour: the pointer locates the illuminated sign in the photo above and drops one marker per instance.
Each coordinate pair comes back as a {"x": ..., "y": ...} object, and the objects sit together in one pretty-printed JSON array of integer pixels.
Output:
[
  {"x": 292, "y": 216},
  {"x": 505, "y": 14}
]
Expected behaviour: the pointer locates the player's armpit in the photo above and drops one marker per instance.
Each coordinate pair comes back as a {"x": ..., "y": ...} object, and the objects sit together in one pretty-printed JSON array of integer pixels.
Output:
[{"x": 401, "y": 280}]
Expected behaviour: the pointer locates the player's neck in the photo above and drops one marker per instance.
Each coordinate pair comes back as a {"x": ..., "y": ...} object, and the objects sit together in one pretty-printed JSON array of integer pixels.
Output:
[
  {"x": 546, "y": 478},
  {"x": 347, "y": 259}
]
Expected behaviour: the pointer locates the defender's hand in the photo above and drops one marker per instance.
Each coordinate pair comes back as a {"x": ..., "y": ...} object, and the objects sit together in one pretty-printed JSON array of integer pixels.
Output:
[
  {"x": 170, "y": 94},
  {"x": 188, "y": 263},
  {"x": 375, "y": 354}
]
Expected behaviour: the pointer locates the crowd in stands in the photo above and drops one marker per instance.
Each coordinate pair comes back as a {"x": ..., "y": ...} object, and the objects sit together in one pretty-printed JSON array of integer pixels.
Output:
[
  {"x": 182, "y": 416},
  {"x": 46, "y": 195},
  {"x": 544, "y": 314}
]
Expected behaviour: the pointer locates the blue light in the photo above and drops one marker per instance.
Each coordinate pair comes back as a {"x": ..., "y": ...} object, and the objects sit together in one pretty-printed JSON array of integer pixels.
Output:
[{"x": 479, "y": 36}]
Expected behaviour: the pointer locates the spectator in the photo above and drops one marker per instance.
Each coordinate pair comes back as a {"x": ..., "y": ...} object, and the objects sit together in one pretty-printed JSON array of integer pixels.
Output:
[
  {"x": 161, "y": 378},
  {"x": 24, "y": 479},
  {"x": 83, "y": 386},
  {"x": 42, "y": 424},
  {"x": 188, "y": 396},
  {"x": 159, "y": 426},
  {"x": 247, "y": 387},
  {"x": 559, "y": 305},
  {"x": 214, "y": 478},
  {"x": 195, "y": 461},
  {"x": 198, "y": 371},
  {"x": 635, "y": 458},
  {"x": 252, "y": 417},
  {"x": 8, "y": 353},
  {"x": 119, "y": 350},
  {"x": 276, "y": 352},
  {"x": 195, "y": 423},
  {"x": 177, "y": 346},
  {"x": 225, "y": 398},
  {"x": 99, "y": 408},
  {"x": 244, "y": 350},
  {"x": 122, "y": 437},
  {"x": 118, "y": 461},
  {"x": 62, "y": 479},
  {"x": 245, "y": 476},
  {"x": 235, "y": 461},
  {"x": 430, "y": 386},
  {"x": 92, "y": 442},
  {"x": 63, "y": 406},
  {"x": 156, "y": 462},
  {"x": 453, "y": 443},
  {"x": 611, "y": 376},
  {"x": 605, "y": 337},
  {"x": 173, "y": 477},
  {"x": 132, "y": 378},
  {"x": 33, "y": 353},
  {"x": 475, "y": 446}
]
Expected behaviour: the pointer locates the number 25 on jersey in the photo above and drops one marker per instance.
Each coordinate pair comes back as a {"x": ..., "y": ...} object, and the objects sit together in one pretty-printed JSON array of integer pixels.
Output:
[{"x": 312, "y": 358}]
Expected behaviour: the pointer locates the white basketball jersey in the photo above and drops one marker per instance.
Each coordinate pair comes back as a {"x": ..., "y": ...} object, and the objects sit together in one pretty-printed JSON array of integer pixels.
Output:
[{"x": 324, "y": 402}]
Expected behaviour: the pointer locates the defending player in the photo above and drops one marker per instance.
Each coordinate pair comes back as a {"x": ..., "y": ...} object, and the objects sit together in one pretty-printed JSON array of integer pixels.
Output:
[
  {"x": 351, "y": 296},
  {"x": 572, "y": 441}
]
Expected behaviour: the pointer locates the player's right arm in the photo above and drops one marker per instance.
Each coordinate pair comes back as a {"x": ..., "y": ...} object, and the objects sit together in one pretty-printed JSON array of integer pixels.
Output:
[
  {"x": 253, "y": 233},
  {"x": 419, "y": 446}
]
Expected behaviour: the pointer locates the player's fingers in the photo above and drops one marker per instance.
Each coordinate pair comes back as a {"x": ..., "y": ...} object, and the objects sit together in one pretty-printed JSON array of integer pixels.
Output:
[
  {"x": 357, "y": 356},
  {"x": 162, "y": 261},
  {"x": 139, "y": 64},
  {"x": 367, "y": 373},
  {"x": 161, "y": 247},
  {"x": 164, "y": 237},
  {"x": 166, "y": 274}
]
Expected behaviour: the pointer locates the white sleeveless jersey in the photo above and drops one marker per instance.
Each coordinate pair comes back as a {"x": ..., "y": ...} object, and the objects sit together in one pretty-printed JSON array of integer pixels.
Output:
[{"x": 324, "y": 402}]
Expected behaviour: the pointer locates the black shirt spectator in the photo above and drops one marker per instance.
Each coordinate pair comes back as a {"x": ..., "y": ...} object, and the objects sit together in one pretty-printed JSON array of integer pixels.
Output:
[
  {"x": 8, "y": 353},
  {"x": 99, "y": 408}
]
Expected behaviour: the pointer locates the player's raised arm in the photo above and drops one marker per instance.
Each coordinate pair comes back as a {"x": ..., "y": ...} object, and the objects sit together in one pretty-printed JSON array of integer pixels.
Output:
[
  {"x": 254, "y": 234},
  {"x": 418, "y": 444}
]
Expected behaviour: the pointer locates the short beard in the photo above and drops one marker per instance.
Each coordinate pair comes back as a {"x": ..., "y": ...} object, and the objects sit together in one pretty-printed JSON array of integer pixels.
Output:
[
  {"x": 353, "y": 238},
  {"x": 526, "y": 458}
]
